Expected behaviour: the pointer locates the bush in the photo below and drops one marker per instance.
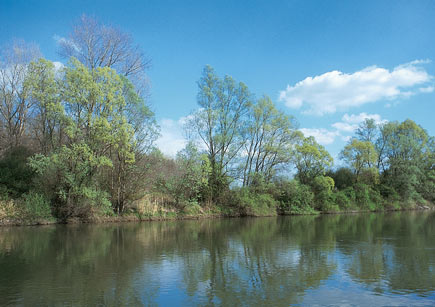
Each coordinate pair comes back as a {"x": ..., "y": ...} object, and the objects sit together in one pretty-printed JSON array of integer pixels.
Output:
[
  {"x": 343, "y": 177},
  {"x": 343, "y": 201},
  {"x": 15, "y": 175},
  {"x": 294, "y": 197},
  {"x": 323, "y": 196},
  {"x": 367, "y": 198},
  {"x": 192, "y": 208},
  {"x": 36, "y": 206},
  {"x": 253, "y": 204}
]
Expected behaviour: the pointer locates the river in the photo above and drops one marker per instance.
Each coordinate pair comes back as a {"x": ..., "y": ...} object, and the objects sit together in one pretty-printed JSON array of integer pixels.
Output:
[{"x": 362, "y": 259}]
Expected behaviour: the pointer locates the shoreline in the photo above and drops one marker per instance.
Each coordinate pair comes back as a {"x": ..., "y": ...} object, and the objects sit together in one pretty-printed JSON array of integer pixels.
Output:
[{"x": 134, "y": 218}]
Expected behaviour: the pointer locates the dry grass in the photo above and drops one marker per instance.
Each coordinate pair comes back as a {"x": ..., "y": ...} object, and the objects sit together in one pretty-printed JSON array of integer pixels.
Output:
[
  {"x": 8, "y": 210},
  {"x": 151, "y": 205}
]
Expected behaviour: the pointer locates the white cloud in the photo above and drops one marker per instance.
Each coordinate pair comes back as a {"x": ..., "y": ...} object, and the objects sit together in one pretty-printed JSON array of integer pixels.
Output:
[
  {"x": 65, "y": 41},
  {"x": 428, "y": 89},
  {"x": 359, "y": 118},
  {"x": 351, "y": 122},
  {"x": 335, "y": 91},
  {"x": 342, "y": 129},
  {"x": 58, "y": 65},
  {"x": 322, "y": 136},
  {"x": 171, "y": 139}
]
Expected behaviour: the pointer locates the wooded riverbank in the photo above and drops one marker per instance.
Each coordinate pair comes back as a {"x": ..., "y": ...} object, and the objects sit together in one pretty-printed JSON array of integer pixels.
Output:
[{"x": 168, "y": 216}]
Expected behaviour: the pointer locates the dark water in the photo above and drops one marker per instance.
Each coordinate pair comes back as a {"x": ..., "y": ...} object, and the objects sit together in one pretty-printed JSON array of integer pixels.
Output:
[{"x": 366, "y": 259}]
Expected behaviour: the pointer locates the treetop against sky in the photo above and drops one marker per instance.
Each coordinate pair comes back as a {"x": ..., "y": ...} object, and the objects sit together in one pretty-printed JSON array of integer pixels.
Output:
[{"x": 331, "y": 64}]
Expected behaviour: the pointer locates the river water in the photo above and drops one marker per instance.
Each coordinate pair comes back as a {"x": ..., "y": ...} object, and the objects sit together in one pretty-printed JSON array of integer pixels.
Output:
[{"x": 364, "y": 259}]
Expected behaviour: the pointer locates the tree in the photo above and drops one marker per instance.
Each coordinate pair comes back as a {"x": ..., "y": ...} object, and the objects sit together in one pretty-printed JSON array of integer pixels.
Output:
[
  {"x": 311, "y": 160},
  {"x": 193, "y": 175},
  {"x": 126, "y": 180},
  {"x": 94, "y": 126},
  {"x": 405, "y": 147},
  {"x": 219, "y": 122},
  {"x": 270, "y": 137},
  {"x": 48, "y": 112},
  {"x": 343, "y": 177},
  {"x": 360, "y": 156},
  {"x": 14, "y": 103},
  {"x": 97, "y": 45},
  {"x": 367, "y": 130}
]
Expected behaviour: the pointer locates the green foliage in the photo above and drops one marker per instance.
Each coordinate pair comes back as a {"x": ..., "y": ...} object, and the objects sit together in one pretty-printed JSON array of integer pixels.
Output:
[
  {"x": 360, "y": 156},
  {"x": 192, "y": 209},
  {"x": 254, "y": 204},
  {"x": 311, "y": 160},
  {"x": 15, "y": 175},
  {"x": 67, "y": 180},
  {"x": 270, "y": 136},
  {"x": 343, "y": 201},
  {"x": 324, "y": 198},
  {"x": 193, "y": 182},
  {"x": 223, "y": 105},
  {"x": 36, "y": 206},
  {"x": 93, "y": 137},
  {"x": 294, "y": 197},
  {"x": 405, "y": 149},
  {"x": 45, "y": 94},
  {"x": 367, "y": 198},
  {"x": 343, "y": 177}
]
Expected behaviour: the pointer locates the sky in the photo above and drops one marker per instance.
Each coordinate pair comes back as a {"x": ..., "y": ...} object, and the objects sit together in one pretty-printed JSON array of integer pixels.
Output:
[{"x": 330, "y": 64}]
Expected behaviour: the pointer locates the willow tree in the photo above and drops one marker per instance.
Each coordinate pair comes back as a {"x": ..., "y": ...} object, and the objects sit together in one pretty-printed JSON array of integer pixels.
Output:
[
  {"x": 219, "y": 122},
  {"x": 45, "y": 95},
  {"x": 311, "y": 160},
  {"x": 94, "y": 125},
  {"x": 95, "y": 44},
  {"x": 361, "y": 156},
  {"x": 270, "y": 138}
]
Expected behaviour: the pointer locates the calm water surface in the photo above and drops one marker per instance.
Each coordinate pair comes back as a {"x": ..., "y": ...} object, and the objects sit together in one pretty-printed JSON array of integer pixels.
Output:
[{"x": 366, "y": 259}]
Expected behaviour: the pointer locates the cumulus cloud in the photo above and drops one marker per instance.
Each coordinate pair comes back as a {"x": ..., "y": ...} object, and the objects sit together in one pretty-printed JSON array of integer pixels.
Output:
[
  {"x": 171, "y": 138},
  {"x": 342, "y": 129},
  {"x": 336, "y": 91},
  {"x": 322, "y": 136},
  {"x": 351, "y": 122}
]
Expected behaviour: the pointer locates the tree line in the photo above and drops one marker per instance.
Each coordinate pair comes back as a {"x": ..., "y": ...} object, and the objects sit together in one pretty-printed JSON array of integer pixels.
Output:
[{"x": 77, "y": 141}]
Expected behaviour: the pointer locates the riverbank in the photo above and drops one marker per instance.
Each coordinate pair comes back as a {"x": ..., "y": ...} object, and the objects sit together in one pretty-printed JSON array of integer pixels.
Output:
[{"x": 209, "y": 213}]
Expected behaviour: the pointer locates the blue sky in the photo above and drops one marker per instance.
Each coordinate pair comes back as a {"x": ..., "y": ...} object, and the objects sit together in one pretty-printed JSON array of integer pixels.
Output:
[{"x": 328, "y": 63}]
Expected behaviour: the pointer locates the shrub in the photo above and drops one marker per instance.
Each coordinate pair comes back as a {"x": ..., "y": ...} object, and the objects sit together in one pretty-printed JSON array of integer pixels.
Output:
[
  {"x": 342, "y": 200},
  {"x": 294, "y": 197},
  {"x": 36, "y": 206},
  {"x": 323, "y": 196},
  {"x": 367, "y": 198},
  {"x": 253, "y": 204},
  {"x": 192, "y": 208},
  {"x": 343, "y": 177},
  {"x": 15, "y": 175}
]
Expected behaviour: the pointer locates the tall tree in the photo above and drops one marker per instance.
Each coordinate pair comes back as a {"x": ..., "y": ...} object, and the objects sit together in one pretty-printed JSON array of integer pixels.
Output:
[
  {"x": 406, "y": 145},
  {"x": 360, "y": 156},
  {"x": 219, "y": 122},
  {"x": 97, "y": 45},
  {"x": 95, "y": 124},
  {"x": 270, "y": 138},
  {"x": 14, "y": 102},
  {"x": 45, "y": 96},
  {"x": 367, "y": 130},
  {"x": 311, "y": 160}
]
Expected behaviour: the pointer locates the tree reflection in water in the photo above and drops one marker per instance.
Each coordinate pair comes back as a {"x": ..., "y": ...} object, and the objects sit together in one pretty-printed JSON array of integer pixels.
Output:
[{"x": 246, "y": 261}]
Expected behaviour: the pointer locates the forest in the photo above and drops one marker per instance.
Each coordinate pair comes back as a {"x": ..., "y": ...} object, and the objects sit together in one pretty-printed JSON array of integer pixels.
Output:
[{"x": 77, "y": 143}]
